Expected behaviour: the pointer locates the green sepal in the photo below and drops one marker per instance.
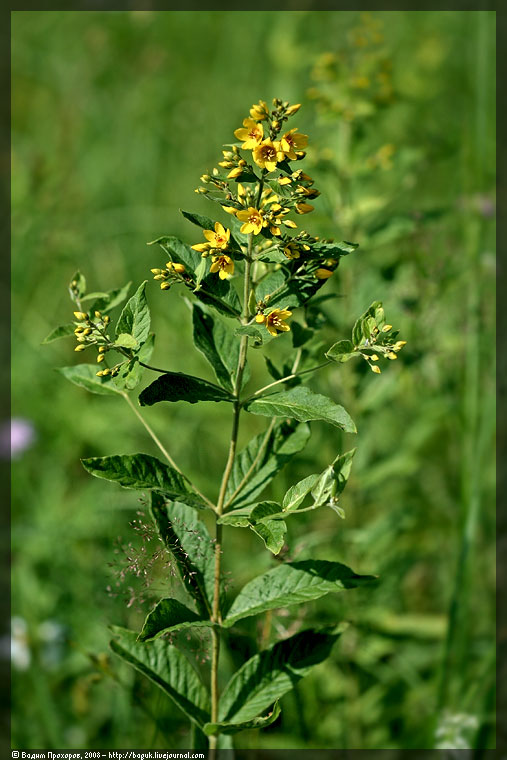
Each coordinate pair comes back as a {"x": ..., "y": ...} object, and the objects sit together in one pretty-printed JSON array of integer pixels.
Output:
[{"x": 211, "y": 729}]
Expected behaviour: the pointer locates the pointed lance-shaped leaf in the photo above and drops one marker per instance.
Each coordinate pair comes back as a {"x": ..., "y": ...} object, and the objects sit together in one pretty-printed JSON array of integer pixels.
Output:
[
  {"x": 211, "y": 729},
  {"x": 166, "y": 666},
  {"x": 216, "y": 340},
  {"x": 270, "y": 674},
  {"x": 170, "y": 615},
  {"x": 262, "y": 458},
  {"x": 85, "y": 376},
  {"x": 302, "y": 404},
  {"x": 63, "y": 331},
  {"x": 131, "y": 371},
  {"x": 143, "y": 472},
  {"x": 106, "y": 302},
  {"x": 189, "y": 542},
  {"x": 293, "y": 583},
  {"x": 176, "y": 386},
  {"x": 135, "y": 317}
]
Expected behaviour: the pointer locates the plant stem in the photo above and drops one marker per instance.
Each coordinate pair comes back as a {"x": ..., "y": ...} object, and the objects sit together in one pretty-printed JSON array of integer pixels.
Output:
[
  {"x": 164, "y": 451},
  {"x": 285, "y": 379},
  {"x": 254, "y": 464},
  {"x": 216, "y": 617}
]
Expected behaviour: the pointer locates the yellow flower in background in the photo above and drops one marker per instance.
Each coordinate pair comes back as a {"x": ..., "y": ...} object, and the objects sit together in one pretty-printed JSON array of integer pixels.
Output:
[
  {"x": 253, "y": 220},
  {"x": 259, "y": 111},
  {"x": 289, "y": 143},
  {"x": 250, "y": 134},
  {"x": 224, "y": 265},
  {"x": 265, "y": 155},
  {"x": 275, "y": 321}
]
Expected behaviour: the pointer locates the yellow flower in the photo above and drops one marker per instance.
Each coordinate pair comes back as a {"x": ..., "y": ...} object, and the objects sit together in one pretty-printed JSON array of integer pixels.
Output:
[
  {"x": 224, "y": 265},
  {"x": 292, "y": 251},
  {"x": 293, "y": 109},
  {"x": 265, "y": 155},
  {"x": 218, "y": 238},
  {"x": 274, "y": 321},
  {"x": 259, "y": 111},
  {"x": 250, "y": 134},
  {"x": 253, "y": 220},
  {"x": 289, "y": 143},
  {"x": 304, "y": 208}
]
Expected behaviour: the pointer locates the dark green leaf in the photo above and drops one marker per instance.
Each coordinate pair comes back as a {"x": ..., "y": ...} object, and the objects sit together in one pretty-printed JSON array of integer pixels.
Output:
[
  {"x": 257, "y": 517},
  {"x": 85, "y": 375},
  {"x": 292, "y": 583},
  {"x": 272, "y": 533},
  {"x": 219, "y": 294},
  {"x": 333, "y": 249},
  {"x": 270, "y": 674},
  {"x": 211, "y": 729},
  {"x": 176, "y": 386},
  {"x": 189, "y": 542},
  {"x": 60, "y": 332},
  {"x": 179, "y": 252},
  {"x": 300, "y": 334},
  {"x": 135, "y": 317},
  {"x": 302, "y": 404},
  {"x": 166, "y": 666},
  {"x": 170, "y": 615},
  {"x": 269, "y": 284},
  {"x": 252, "y": 332},
  {"x": 141, "y": 471},
  {"x": 262, "y": 458},
  {"x": 216, "y": 340}
]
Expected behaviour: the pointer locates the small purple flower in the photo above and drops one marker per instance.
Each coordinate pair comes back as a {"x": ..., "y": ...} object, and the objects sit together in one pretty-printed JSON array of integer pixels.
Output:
[{"x": 15, "y": 437}]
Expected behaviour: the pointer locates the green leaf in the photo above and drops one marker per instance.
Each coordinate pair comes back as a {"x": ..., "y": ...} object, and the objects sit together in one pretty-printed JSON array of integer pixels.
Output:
[
  {"x": 269, "y": 284},
  {"x": 257, "y": 517},
  {"x": 79, "y": 282},
  {"x": 252, "y": 332},
  {"x": 170, "y": 615},
  {"x": 176, "y": 386},
  {"x": 124, "y": 340},
  {"x": 131, "y": 371},
  {"x": 211, "y": 729},
  {"x": 292, "y": 583},
  {"x": 334, "y": 249},
  {"x": 342, "y": 351},
  {"x": 262, "y": 459},
  {"x": 272, "y": 533},
  {"x": 296, "y": 292},
  {"x": 298, "y": 492},
  {"x": 106, "y": 302},
  {"x": 333, "y": 480},
  {"x": 200, "y": 272},
  {"x": 141, "y": 471},
  {"x": 270, "y": 674},
  {"x": 179, "y": 252},
  {"x": 215, "y": 339},
  {"x": 219, "y": 294},
  {"x": 300, "y": 334},
  {"x": 60, "y": 332},
  {"x": 302, "y": 404},
  {"x": 85, "y": 375},
  {"x": 189, "y": 542},
  {"x": 166, "y": 666},
  {"x": 135, "y": 317}
]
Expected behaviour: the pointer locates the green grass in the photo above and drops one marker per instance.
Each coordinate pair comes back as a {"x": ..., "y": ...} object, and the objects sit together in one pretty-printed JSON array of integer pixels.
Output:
[{"x": 115, "y": 117}]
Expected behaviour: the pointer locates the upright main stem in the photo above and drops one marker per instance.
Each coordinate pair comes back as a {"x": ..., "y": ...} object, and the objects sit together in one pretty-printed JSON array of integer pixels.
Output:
[{"x": 216, "y": 616}]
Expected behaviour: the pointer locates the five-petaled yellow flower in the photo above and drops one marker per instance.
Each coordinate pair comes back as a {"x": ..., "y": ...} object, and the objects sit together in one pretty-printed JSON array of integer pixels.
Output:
[
  {"x": 217, "y": 238},
  {"x": 289, "y": 143},
  {"x": 250, "y": 134},
  {"x": 259, "y": 111},
  {"x": 275, "y": 321},
  {"x": 253, "y": 220},
  {"x": 265, "y": 155},
  {"x": 224, "y": 265}
]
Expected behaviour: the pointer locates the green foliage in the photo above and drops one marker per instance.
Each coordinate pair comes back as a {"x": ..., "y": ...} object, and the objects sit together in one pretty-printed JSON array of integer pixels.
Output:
[
  {"x": 85, "y": 375},
  {"x": 169, "y": 615},
  {"x": 302, "y": 404},
  {"x": 135, "y": 318}
]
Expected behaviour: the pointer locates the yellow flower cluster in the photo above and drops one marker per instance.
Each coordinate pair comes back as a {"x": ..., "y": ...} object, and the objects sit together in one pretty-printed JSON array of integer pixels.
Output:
[
  {"x": 173, "y": 272},
  {"x": 91, "y": 331}
]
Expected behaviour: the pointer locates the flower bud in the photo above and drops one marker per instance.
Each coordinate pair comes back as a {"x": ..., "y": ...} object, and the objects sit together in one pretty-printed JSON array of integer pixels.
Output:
[
  {"x": 323, "y": 274},
  {"x": 106, "y": 320},
  {"x": 375, "y": 369},
  {"x": 386, "y": 328},
  {"x": 98, "y": 314},
  {"x": 205, "y": 178},
  {"x": 100, "y": 358},
  {"x": 291, "y": 110},
  {"x": 80, "y": 316},
  {"x": 165, "y": 285},
  {"x": 102, "y": 349},
  {"x": 80, "y": 348},
  {"x": 235, "y": 173}
]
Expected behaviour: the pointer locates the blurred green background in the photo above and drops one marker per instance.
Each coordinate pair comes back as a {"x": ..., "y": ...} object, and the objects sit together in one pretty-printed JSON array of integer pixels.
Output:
[{"x": 115, "y": 116}]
